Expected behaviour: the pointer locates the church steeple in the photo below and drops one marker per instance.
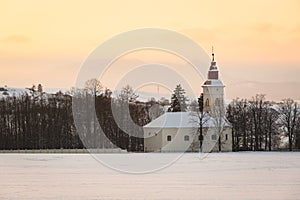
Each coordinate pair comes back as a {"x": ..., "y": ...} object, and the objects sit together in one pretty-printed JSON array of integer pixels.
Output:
[
  {"x": 213, "y": 88},
  {"x": 213, "y": 72}
]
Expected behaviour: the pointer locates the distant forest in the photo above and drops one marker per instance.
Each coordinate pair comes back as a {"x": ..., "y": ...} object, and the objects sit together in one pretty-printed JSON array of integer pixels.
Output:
[
  {"x": 263, "y": 125},
  {"x": 38, "y": 120}
]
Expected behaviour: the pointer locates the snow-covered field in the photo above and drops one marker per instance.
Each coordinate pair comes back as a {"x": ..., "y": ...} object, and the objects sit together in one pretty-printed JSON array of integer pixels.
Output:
[{"x": 244, "y": 175}]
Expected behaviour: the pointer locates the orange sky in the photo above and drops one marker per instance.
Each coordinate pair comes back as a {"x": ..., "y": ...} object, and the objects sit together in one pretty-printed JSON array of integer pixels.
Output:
[{"x": 256, "y": 42}]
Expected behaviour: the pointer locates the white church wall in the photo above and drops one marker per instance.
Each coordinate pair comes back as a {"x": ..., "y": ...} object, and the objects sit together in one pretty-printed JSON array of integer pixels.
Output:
[
  {"x": 211, "y": 140},
  {"x": 178, "y": 142},
  {"x": 156, "y": 140},
  {"x": 152, "y": 139},
  {"x": 227, "y": 140}
]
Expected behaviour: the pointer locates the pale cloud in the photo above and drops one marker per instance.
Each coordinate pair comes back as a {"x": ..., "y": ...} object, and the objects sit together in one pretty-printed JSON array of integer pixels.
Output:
[
  {"x": 18, "y": 38},
  {"x": 265, "y": 27},
  {"x": 249, "y": 89},
  {"x": 296, "y": 30}
]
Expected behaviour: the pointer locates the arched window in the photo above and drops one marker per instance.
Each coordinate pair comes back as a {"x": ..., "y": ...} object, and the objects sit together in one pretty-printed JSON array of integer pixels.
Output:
[
  {"x": 169, "y": 138},
  {"x": 186, "y": 138},
  {"x": 217, "y": 102},
  {"x": 207, "y": 103},
  {"x": 226, "y": 137}
]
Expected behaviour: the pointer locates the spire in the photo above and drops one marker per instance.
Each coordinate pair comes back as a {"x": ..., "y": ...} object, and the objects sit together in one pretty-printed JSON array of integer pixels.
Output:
[
  {"x": 213, "y": 65},
  {"x": 213, "y": 55},
  {"x": 213, "y": 69},
  {"x": 213, "y": 73}
]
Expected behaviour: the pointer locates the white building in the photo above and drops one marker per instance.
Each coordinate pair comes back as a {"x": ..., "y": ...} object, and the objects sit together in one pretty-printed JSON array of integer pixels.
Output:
[{"x": 179, "y": 131}]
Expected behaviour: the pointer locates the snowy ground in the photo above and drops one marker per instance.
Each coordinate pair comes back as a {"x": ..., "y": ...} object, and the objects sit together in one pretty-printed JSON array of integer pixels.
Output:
[{"x": 244, "y": 175}]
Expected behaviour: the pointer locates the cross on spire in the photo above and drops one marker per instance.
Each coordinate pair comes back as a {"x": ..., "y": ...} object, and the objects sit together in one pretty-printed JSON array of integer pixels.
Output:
[{"x": 213, "y": 55}]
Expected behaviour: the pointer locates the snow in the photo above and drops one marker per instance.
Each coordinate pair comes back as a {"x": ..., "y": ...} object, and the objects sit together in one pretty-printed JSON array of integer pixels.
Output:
[
  {"x": 213, "y": 82},
  {"x": 181, "y": 120},
  {"x": 6, "y": 91},
  {"x": 243, "y": 175},
  {"x": 9, "y": 91}
]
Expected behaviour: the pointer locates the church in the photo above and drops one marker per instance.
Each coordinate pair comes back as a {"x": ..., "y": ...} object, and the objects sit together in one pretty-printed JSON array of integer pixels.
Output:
[{"x": 180, "y": 131}]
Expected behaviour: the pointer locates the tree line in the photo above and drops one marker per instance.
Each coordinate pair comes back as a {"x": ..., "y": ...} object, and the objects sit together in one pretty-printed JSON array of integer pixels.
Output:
[
  {"x": 259, "y": 124},
  {"x": 38, "y": 120}
]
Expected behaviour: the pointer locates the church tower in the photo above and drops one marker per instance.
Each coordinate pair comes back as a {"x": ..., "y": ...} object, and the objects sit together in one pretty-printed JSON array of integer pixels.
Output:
[{"x": 213, "y": 88}]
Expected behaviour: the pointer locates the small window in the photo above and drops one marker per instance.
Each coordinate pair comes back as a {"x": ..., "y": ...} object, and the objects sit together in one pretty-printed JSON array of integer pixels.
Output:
[
  {"x": 207, "y": 103},
  {"x": 186, "y": 138},
  {"x": 226, "y": 137},
  {"x": 169, "y": 138},
  {"x": 214, "y": 137}
]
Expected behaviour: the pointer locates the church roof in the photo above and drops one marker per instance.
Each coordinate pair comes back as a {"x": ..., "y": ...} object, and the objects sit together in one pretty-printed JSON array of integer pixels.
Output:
[
  {"x": 183, "y": 120},
  {"x": 213, "y": 82}
]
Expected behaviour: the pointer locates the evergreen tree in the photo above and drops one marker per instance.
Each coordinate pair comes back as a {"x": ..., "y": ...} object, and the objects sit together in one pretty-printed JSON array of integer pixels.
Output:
[{"x": 178, "y": 100}]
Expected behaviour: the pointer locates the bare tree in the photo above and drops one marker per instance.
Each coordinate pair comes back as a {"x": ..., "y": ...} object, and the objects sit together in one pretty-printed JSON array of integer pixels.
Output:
[
  {"x": 238, "y": 116},
  {"x": 194, "y": 106},
  {"x": 123, "y": 117},
  {"x": 40, "y": 88},
  {"x": 127, "y": 94},
  {"x": 297, "y": 133},
  {"x": 218, "y": 115},
  {"x": 154, "y": 109},
  {"x": 271, "y": 126},
  {"x": 200, "y": 117},
  {"x": 93, "y": 86},
  {"x": 257, "y": 108},
  {"x": 289, "y": 112}
]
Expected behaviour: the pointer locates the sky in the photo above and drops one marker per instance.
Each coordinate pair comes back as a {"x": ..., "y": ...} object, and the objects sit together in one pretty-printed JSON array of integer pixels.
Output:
[{"x": 257, "y": 43}]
